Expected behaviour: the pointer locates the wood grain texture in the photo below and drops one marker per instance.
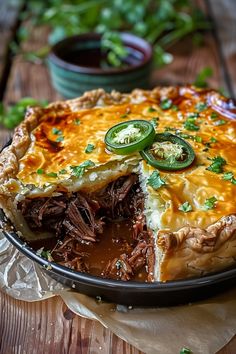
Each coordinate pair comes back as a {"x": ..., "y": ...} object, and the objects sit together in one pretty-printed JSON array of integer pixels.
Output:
[
  {"x": 48, "y": 327},
  {"x": 30, "y": 79},
  {"x": 224, "y": 17},
  {"x": 8, "y": 20},
  {"x": 190, "y": 59}
]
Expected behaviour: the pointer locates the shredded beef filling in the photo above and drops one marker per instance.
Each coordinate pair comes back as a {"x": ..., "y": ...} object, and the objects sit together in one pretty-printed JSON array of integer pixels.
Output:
[{"x": 80, "y": 221}]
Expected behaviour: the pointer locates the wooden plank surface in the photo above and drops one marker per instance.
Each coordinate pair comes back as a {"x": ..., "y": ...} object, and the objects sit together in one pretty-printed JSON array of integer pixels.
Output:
[
  {"x": 8, "y": 21},
  {"x": 47, "y": 326},
  {"x": 224, "y": 18}
]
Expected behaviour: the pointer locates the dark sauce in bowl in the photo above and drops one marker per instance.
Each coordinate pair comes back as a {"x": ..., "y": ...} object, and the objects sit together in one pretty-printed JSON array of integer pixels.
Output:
[{"x": 97, "y": 58}]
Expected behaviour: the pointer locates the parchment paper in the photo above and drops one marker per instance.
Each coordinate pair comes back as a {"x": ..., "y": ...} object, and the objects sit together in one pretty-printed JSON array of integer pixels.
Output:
[{"x": 203, "y": 327}]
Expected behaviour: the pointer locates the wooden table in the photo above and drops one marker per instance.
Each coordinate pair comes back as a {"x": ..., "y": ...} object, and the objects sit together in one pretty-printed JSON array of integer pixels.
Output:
[{"x": 48, "y": 326}]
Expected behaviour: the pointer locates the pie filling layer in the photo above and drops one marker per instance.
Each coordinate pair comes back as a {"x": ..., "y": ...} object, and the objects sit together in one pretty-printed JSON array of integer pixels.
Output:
[{"x": 103, "y": 233}]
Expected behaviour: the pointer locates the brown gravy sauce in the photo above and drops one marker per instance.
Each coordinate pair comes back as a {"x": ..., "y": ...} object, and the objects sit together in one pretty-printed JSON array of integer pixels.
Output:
[{"x": 114, "y": 241}]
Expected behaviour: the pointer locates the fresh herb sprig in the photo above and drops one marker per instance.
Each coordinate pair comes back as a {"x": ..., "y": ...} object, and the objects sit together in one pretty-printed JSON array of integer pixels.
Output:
[
  {"x": 185, "y": 207},
  {"x": 155, "y": 180},
  {"x": 161, "y": 23},
  {"x": 10, "y": 117},
  {"x": 79, "y": 170},
  {"x": 217, "y": 164}
]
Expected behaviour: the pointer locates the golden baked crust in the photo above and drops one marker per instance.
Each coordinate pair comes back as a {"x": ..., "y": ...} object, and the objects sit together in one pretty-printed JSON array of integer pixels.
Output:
[
  {"x": 195, "y": 251},
  {"x": 20, "y": 161}
]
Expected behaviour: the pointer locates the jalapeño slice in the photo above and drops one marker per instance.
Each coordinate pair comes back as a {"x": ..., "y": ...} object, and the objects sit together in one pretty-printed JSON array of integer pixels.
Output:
[
  {"x": 169, "y": 152},
  {"x": 129, "y": 136}
]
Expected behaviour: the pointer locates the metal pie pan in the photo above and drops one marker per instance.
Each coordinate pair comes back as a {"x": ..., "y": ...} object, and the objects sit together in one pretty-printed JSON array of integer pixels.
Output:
[{"x": 127, "y": 293}]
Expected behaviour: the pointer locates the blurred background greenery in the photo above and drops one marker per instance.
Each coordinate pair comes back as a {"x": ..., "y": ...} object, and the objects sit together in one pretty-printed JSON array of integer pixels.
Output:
[{"x": 161, "y": 22}]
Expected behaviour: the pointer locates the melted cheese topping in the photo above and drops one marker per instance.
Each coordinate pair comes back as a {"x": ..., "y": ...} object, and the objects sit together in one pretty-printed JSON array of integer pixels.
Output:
[{"x": 59, "y": 142}]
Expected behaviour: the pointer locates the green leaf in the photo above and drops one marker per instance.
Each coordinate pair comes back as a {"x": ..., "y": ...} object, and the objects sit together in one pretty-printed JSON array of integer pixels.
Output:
[
  {"x": 77, "y": 121},
  {"x": 52, "y": 174},
  {"x": 202, "y": 76},
  {"x": 201, "y": 106},
  {"x": 210, "y": 203},
  {"x": 175, "y": 108},
  {"x": 89, "y": 148},
  {"x": 198, "y": 139},
  {"x": 63, "y": 171},
  {"x": 229, "y": 176},
  {"x": 191, "y": 125},
  {"x": 220, "y": 122},
  {"x": 60, "y": 139},
  {"x": 56, "y": 131},
  {"x": 12, "y": 116},
  {"x": 40, "y": 171},
  {"x": 27, "y": 101},
  {"x": 79, "y": 170},
  {"x": 47, "y": 255},
  {"x": 151, "y": 109},
  {"x": 217, "y": 164},
  {"x": 185, "y": 351},
  {"x": 155, "y": 180},
  {"x": 214, "y": 115},
  {"x": 166, "y": 104},
  {"x": 185, "y": 207}
]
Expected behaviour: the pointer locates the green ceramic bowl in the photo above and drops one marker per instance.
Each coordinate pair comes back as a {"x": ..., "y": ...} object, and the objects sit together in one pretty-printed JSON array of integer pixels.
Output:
[{"x": 74, "y": 65}]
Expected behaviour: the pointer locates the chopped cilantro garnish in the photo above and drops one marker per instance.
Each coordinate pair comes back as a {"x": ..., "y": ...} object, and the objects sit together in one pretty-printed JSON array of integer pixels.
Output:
[
  {"x": 210, "y": 203},
  {"x": 213, "y": 140},
  {"x": 52, "y": 174},
  {"x": 77, "y": 121},
  {"x": 151, "y": 109},
  {"x": 201, "y": 106},
  {"x": 56, "y": 131},
  {"x": 217, "y": 164},
  {"x": 89, "y": 148},
  {"x": 125, "y": 115},
  {"x": 198, "y": 139},
  {"x": 165, "y": 104},
  {"x": 220, "y": 122},
  {"x": 185, "y": 207},
  {"x": 40, "y": 171},
  {"x": 154, "y": 122},
  {"x": 60, "y": 139},
  {"x": 229, "y": 176},
  {"x": 63, "y": 171},
  {"x": 119, "y": 264},
  {"x": 175, "y": 108},
  {"x": 47, "y": 255},
  {"x": 185, "y": 136},
  {"x": 193, "y": 115},
  {"x": 155, "y": 180},
  {"x": 190, "y": 124},
  {"x": 214, "y": 115},
  {"x": 185, "y": 351},
  {"x": 79, "y": 170}
]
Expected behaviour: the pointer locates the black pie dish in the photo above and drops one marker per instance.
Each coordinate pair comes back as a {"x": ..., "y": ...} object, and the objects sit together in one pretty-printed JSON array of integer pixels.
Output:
[{"x": 126, "y": 293}]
